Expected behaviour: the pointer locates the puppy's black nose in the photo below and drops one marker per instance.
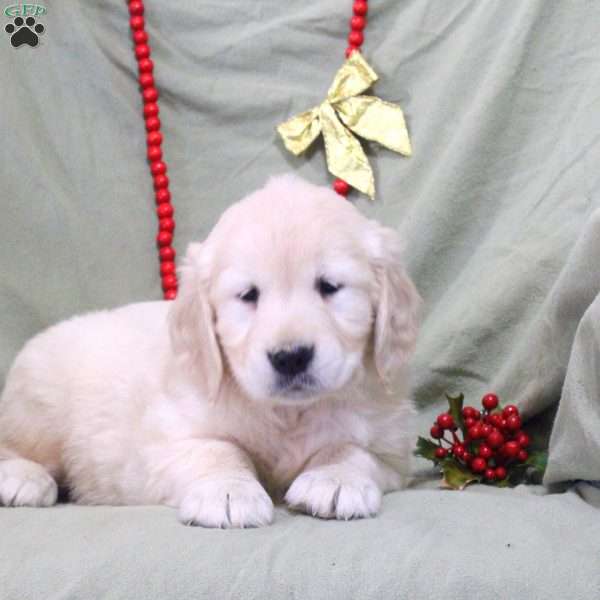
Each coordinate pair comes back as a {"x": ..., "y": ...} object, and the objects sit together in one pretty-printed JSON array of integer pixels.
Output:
[{"x": 293, "y": 361}]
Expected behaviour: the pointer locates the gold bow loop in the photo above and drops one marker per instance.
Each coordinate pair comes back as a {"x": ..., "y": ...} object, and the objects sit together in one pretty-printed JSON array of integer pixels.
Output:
[{"x": 346, "y": 111}]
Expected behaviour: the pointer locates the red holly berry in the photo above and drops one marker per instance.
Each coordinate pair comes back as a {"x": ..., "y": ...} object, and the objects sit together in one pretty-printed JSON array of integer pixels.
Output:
[
  {"x": 441, "y": 453},
  {"x": 522, "y": 439},
  {"x": 490, "y": 474},
  {"x": 522, "y": 456},
  {"x": 485, "y": 451},
  {"x": 495, "y": 420},
  {"x": 468, "y": 412},
  {"x": 475, "y": 432},
  {"x": 489, "y": 401},
  {"x": 476, "y": 414},
  {"x": 486, "y": 430},
  {"x": 510, "y": 409},
  {"x": 436, "y": 432},
  {"x": 495, "y": 439},
  {"x": 510, "y": 449},
  {"x": 458, "y": 450},
  {"x": 469, "y": 422},
  {"x": 445, "y": 421},
  {"x": 500, "y": 473},
  {"x": 467, "y": 457},
  {"x": 513, "y": 422},
  {"x": 478, "y": 465}
]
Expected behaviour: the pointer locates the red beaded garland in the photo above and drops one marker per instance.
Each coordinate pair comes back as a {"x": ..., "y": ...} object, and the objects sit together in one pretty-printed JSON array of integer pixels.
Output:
[
  {"x": 158, "y": 167},
  {"x": 355, "y": 41},
  {"x": 154, "y": 138}
]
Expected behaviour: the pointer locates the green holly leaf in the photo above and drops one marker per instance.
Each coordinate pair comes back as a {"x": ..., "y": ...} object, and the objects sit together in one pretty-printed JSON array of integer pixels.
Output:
[
  {"x": 538, "y": 460},
  {"x": 425, "y": 448},
  {"x": 456, "y": 476},
  {"x": 456, "y": 405}
]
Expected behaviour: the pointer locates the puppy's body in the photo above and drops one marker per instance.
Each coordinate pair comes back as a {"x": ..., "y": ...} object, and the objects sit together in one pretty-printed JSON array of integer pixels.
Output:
[{"x": 183, "y": 403}]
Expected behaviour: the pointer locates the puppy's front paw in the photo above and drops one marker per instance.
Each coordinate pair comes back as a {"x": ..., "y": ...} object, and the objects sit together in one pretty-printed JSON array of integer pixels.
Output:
[
  {"x": 226, "y": 502},
  {"x": 332, "y": 492},
  {"x": 25, "y": 483}
]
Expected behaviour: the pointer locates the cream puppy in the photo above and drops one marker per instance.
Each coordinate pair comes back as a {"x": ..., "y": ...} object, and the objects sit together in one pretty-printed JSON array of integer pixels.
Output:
[{"x": 270, "y": 372}]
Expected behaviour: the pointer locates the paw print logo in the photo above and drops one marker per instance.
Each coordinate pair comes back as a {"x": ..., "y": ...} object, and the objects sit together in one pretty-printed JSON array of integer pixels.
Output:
[{"x": 24, "y": 31}]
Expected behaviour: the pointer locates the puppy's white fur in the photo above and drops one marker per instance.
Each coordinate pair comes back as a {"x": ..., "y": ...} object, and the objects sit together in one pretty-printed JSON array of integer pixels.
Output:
[{"x": 178, "y": 403}]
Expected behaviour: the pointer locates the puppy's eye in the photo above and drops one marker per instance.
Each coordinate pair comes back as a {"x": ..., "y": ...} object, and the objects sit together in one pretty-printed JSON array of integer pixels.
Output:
[
  {"x": 326, "y": 288},
  {"x": 250, "y": 295}
]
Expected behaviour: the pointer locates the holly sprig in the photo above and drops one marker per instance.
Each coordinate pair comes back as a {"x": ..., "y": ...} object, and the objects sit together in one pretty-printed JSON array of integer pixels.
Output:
[{"x": 482, "y": 446}]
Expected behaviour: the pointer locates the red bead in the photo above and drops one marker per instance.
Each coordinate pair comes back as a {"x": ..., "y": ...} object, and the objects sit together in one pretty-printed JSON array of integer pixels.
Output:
[
  {"x": 136, "y": 22},
  {"x": 154, "y": 138},
  {"x": 436, "y": 432},
  {"x": 170, "y": 294},
  {"x": 150, "y": 94},
  {"x": 146, "y": 65},
  {"x": 445, "y": 421},
  {"x": 357, "y": 23},
  {"x": 509, "y": 410},
  {"x": 158, "y": 167},
  {"x": 478, "y": 465},
  {"x": 489, "y": 401},
  {"x": 356, "y": 38},
  {"x": 169, "y": 282},
  {"x": 341, "y": 187},
  {"x": 140, "y": 36},
  {"x": 142, "y": 51},
  {"x": 166, "y": 224},
  {"x": 441, "y": 453},
  {"x": 164, "y": 238},
  {"x": 154, "y": 153},
  {"x": 522, "y": 439},
  {"x": 167, "y": 267},
  {"x": 360, "y": 8},
  {"x": 146, "y": 80},
  {"x": 164, "y": 210},
  {"x": 350, "y": 50},
  {"x": 495, "y": 439},
  {"x": 151, "y": 110},
  {"x": 152, "y": 124},
  {"x": 162, "y": 195},
  {"x": 161, "y": 181},
  {"x": 510, "y": 449},
  {"x": 136, "y": 8},
  {"x": 167, "y": 253},
  {"x": 522, "y": 456}
]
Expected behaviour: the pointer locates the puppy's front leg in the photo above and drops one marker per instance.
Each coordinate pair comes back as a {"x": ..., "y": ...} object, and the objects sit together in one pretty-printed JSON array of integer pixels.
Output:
[
  {"x": 214, "y": 484},
  {"x": 343, "y": 482}
]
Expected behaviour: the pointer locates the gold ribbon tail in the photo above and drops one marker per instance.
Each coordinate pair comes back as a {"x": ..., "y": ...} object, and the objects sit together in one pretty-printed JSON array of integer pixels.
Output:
[
  {"x": 376, "y": 120},
  {"x": 345, "y": 156}
]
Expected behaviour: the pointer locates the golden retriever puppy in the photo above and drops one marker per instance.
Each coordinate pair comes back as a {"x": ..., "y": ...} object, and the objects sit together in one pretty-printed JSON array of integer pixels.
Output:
[{"x": 270, "y": 371}]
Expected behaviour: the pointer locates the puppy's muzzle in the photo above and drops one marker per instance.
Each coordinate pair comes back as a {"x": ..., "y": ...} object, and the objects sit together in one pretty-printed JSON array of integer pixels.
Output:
[{"x": 292, "y": 361}]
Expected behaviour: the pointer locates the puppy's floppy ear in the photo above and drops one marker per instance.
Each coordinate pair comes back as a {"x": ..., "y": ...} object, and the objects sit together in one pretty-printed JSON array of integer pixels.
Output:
[
  {"x": 397, "y": 305},
  {"x": 191, "y": 322}
]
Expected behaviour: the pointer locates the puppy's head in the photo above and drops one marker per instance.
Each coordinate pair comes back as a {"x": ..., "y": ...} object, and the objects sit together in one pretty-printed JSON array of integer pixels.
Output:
[{"x": 294, "y": 292}]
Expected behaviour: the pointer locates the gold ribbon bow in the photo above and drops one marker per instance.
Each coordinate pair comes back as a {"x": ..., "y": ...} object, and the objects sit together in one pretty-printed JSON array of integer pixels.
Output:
[{"x": 344, "y": 110}]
